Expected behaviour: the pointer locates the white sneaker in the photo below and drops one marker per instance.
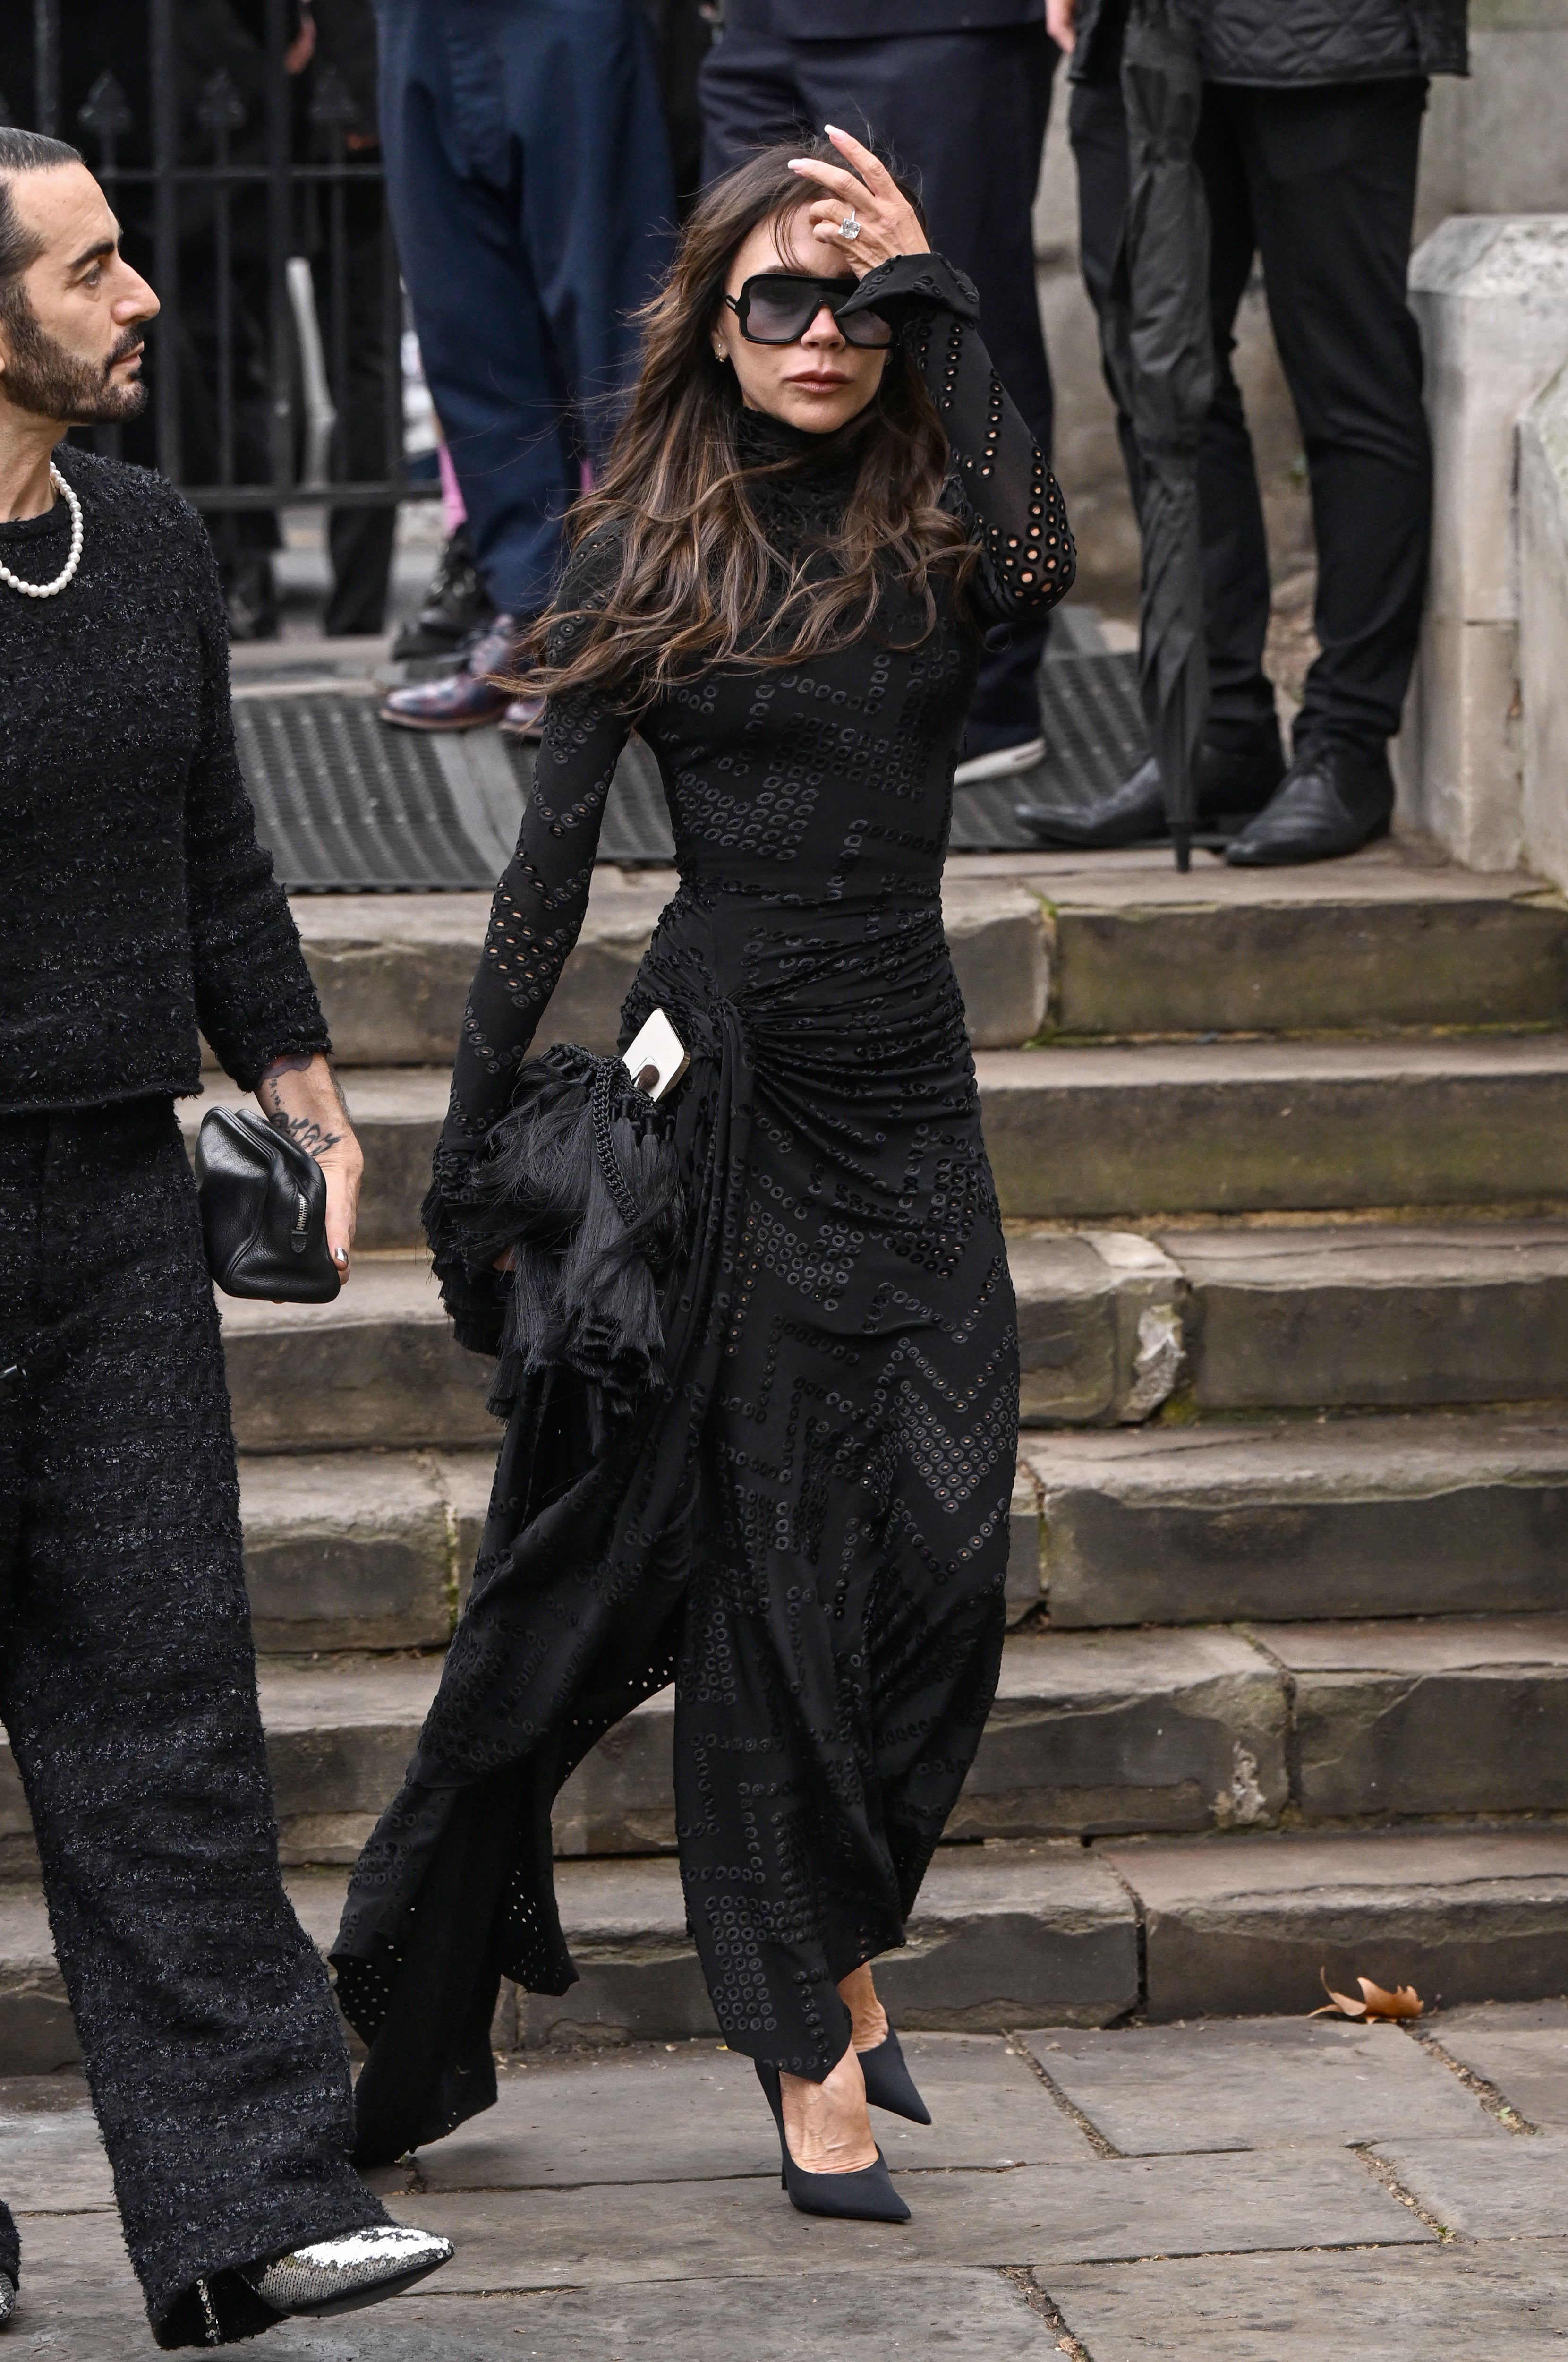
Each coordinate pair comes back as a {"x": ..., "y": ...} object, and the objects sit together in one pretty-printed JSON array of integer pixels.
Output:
[
  {"x": 1001, "y": 763},
  {"x": 340, "y": 2275}
]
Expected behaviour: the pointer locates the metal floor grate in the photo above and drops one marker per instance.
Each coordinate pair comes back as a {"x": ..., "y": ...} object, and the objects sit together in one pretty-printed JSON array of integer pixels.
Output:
[{"x": 348, "y": 807}]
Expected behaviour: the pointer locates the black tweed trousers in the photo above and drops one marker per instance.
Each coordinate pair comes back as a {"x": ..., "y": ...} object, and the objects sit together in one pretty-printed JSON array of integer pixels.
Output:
[{"x": 127, "y": 1687}]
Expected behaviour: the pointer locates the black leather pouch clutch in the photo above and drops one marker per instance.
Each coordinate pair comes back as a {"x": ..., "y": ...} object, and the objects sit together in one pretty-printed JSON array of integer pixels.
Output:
[{"x": 263, "y": 1203}]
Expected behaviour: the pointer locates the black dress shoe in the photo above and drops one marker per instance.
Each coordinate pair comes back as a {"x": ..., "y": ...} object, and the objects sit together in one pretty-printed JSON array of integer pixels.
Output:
[
  {"x": 889, "y": 2083},
  {"x": 1332, "y": 800},
  {"x": 867, "y": 2196},
  {"x": 1232, "y": 783},
  {"x": 456, "y": 605}
]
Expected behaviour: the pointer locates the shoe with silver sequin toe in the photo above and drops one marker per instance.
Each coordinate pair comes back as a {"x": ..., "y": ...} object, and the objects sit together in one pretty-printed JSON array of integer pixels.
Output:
[
  {"x": 7, "y": 2298},
  {"x": 340, "y": 2275}
]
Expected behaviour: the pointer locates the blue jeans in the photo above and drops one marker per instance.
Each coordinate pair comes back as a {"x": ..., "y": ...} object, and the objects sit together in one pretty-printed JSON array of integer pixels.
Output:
[{"x": 529, "y": 181}]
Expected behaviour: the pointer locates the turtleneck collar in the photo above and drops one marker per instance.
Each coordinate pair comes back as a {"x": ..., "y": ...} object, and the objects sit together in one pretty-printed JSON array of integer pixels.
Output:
[{"x": 762, "y": 440}]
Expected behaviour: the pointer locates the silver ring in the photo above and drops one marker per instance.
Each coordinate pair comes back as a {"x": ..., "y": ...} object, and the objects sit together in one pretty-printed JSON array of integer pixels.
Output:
[{"x": 849, "y": 228}]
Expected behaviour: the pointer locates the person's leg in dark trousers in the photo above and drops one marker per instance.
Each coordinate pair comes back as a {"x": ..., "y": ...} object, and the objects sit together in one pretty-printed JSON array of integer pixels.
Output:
[
  {"x": 213, "y": 2050},
  {"x": 530, "y": 188},
  {"x": 1097, "y": 127},
  {"x": 964, "y": 116},
  {"x": 359, "y": 541},
  {"x": 358, "y": 353},
  {"x": 1236, "y": 585},
  {"x": 1332, "y": 179}
]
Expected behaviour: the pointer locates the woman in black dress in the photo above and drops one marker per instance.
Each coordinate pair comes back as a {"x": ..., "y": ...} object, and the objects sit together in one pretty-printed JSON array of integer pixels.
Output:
[{"x": 757, "y": 1346}]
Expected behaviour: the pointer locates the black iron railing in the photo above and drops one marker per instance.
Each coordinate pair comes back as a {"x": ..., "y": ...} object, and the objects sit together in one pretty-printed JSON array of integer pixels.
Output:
[{"x": 252, "y": 197}]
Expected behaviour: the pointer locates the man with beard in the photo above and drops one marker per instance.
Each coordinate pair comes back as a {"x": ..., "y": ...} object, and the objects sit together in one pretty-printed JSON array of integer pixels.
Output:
[{"x": 134, "y": 902}]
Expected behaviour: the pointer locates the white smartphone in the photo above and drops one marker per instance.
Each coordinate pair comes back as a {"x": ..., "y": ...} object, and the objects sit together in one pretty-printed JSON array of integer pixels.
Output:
[{"x": 658, "y": 1059}]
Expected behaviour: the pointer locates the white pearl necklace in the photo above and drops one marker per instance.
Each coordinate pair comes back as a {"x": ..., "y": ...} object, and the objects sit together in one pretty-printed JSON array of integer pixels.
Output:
[{"x": 52, "y": 590}]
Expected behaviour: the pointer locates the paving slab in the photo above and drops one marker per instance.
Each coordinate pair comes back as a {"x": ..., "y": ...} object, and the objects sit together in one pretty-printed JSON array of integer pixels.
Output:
[
  {"x": 1375, "y": 1313},
  {"x": 51, "y": 2154},
  {"x": 378, "y": 1367},
  {"x": 918, "y": 2315},
  {"x": 1237, "y": 1925},
  {"x": 1461, "y": 1714},
  {"x": 1355, "y": 1517},
  {"x": 1098, "y": 2208},
  {"x": 1444, "y": 2304},
  {"x": 1128, "y": 1730},
  {"x": 1514, "y": 2186},
  {"x": 693, "y": 2112},
  {"x": 1255, "y": 1126},
  {"x": 1520, "y": 2047},
  {"x": 1254, "y": 2083},
  {"x": 928, "y": 2315}
]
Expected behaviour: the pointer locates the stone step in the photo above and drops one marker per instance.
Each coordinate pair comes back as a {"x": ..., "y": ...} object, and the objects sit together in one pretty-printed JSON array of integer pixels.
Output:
[
  {"x": 1352, "y": 1316},
  {"x": 1237, "y": 1925},
  {"x": 1347, "y": 1518},
  {"x": 1387, "y": 940},
  {"x": 1008, "y": 1937},
  {"x": 1132, "y": 1133},
  {"x": 1258, "y": 1127},
  {"x": 393, "y": 970},
  {"x": 1093, "y": 1733},
  {"x": 1375, "y": 1313},
  {"x": 1129, "y": 948},
  {"x": 362, "y": 1551},
  {"x": 378, "y": 1367},
  {"x": 1098, "y": 1331}
]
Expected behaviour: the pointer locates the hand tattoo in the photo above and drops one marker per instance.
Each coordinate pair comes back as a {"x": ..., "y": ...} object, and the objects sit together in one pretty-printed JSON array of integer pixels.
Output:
[{"x": 304, "y": 1131}]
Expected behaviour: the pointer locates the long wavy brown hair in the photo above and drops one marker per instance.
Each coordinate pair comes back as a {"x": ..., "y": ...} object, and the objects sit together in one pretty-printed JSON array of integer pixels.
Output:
[{"x": 692, "y": 578}]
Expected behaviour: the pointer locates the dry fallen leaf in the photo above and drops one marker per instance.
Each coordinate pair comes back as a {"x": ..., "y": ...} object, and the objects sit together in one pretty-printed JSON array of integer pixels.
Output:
[
  {"x": 1403, "y": 2001},
  {"x": 1377, "y": 2002}
]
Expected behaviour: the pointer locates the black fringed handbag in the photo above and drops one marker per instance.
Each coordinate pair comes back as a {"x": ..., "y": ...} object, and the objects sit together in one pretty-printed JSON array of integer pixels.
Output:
[{"x": 580, "y": 1188}]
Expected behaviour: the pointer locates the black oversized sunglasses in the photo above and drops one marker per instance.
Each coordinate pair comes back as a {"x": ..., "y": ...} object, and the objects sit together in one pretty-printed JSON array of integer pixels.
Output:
[{"x": 776, "y": 308}]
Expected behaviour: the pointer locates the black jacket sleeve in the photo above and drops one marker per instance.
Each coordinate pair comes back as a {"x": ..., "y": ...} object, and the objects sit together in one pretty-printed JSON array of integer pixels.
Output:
[
  {"x": 999, "y": 481},
  {"x": 254, "y": 996}
]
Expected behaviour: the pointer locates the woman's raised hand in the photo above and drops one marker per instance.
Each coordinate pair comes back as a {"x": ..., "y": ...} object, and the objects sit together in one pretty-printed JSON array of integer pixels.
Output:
[{"x": 888, "y": 222}]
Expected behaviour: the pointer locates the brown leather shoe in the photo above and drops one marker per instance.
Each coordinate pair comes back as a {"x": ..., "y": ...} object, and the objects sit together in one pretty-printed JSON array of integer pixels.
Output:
[{"x": 464, "y": 700}]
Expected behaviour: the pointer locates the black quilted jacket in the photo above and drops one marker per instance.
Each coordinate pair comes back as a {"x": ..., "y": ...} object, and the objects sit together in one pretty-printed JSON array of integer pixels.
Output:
[{"x": 1287, "y": 44}]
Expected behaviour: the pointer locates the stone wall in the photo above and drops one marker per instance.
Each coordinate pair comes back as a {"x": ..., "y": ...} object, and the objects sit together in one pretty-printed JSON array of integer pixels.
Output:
[{"x": 1543, "y": 630}]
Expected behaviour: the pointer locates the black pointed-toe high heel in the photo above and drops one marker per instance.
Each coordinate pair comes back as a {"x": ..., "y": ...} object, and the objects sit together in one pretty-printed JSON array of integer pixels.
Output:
[
  {"x": 889, "y": 2083},
  {"x": 867, "y": 2196}
]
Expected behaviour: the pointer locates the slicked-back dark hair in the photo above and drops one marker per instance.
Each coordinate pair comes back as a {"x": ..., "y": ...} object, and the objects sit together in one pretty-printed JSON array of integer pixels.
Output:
[{"x": 22, "y": 151}]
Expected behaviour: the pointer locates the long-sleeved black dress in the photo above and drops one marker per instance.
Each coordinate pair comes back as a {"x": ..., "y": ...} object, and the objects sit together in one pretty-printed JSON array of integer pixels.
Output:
[{"x": 803, "y": 1524}]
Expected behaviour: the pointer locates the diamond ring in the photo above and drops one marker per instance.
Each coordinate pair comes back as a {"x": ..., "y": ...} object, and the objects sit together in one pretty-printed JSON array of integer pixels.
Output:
[{"x": 849, "y": 228}]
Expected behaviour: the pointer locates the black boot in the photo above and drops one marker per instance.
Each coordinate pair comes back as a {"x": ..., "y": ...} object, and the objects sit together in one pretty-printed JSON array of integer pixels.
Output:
[
  {"x": 1333, "y": 799},
  {"x": 1235, "y": 778},
  {"x": 456, "y": 605}
]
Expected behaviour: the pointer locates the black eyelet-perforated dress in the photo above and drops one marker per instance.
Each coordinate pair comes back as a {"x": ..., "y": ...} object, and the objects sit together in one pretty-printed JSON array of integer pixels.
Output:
[{"x": 800, "y": 1518}]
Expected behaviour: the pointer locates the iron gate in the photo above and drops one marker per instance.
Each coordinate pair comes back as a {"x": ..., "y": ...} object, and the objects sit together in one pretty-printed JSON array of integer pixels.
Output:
[{"x": 248, "y": 185}]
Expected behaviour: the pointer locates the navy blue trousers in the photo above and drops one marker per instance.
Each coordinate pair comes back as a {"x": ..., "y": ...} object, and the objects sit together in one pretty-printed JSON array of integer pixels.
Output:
[
  {"x": 529, "y": 181},
  {"x": 964, "y": 116}
]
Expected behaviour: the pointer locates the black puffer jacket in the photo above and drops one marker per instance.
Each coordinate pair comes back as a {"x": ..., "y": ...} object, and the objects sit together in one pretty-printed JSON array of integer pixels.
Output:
[{"x": 1290, "y": 44}]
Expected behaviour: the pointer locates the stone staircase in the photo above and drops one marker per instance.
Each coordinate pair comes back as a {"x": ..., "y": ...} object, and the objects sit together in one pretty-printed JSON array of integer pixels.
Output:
[{"x": 1288, "y": 1685}]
